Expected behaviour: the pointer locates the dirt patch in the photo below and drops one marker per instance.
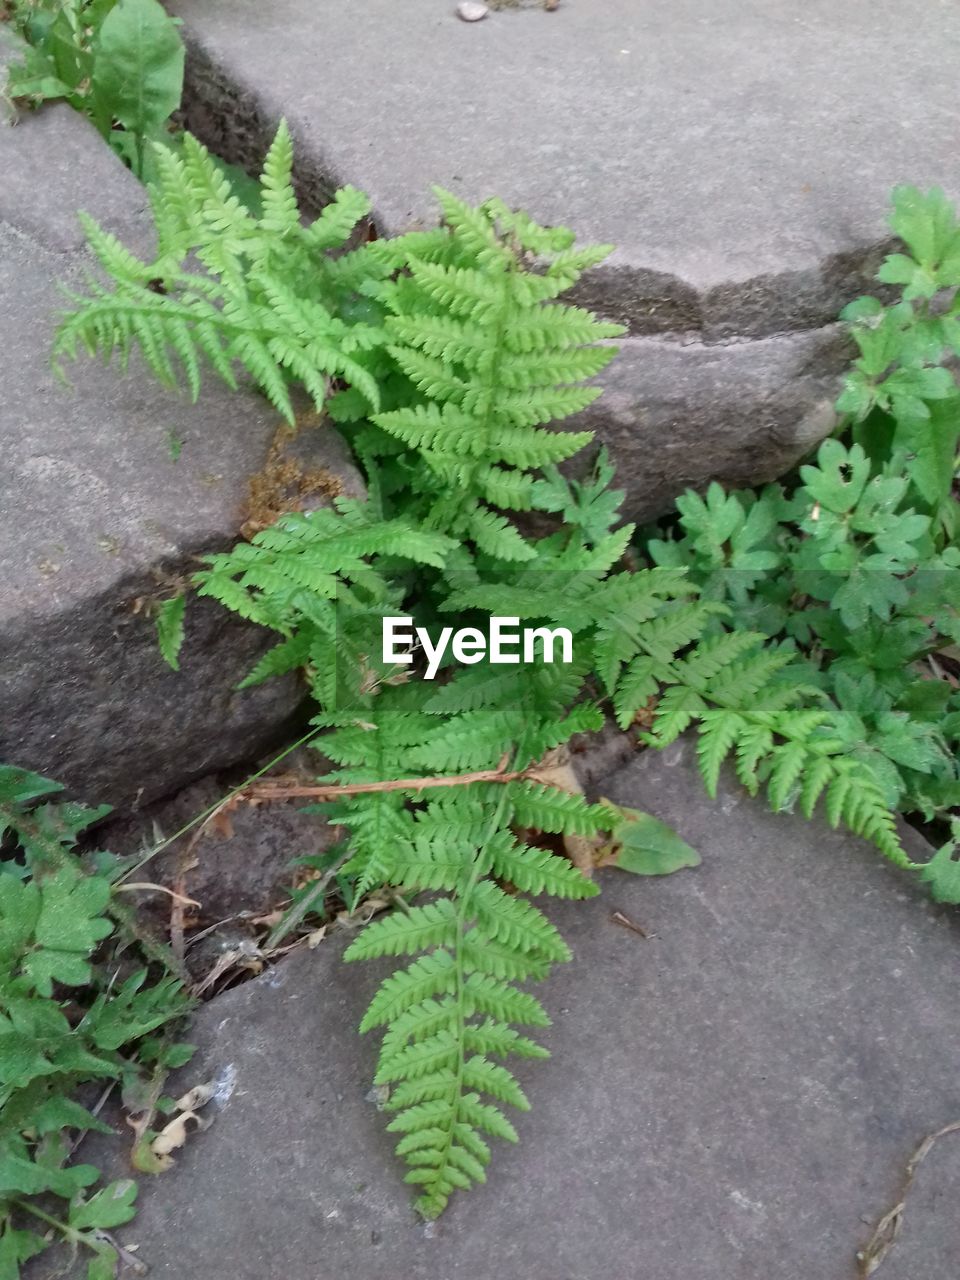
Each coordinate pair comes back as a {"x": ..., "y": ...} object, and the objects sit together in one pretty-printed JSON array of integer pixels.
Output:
[{"x": 288, "y": 480}]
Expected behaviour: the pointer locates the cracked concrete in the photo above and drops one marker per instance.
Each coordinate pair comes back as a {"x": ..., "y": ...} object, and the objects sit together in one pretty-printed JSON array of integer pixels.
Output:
[{"x": 740, "y": 155}]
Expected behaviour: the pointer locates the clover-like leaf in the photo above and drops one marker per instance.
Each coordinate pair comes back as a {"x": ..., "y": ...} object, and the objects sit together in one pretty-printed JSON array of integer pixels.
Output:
[
  {"x": 110, "y": 1207},
  {"x": 838, "y": 479},
  {"x": 67, "y": 929},
  {"x": 942, "y": 872}
]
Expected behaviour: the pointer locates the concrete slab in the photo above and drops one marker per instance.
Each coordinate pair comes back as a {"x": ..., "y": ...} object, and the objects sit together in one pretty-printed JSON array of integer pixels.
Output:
[
  {"x": 98, "y": 516},
  {"x": 739, "y": 154},
  {"x": 734, "y": 1097}
]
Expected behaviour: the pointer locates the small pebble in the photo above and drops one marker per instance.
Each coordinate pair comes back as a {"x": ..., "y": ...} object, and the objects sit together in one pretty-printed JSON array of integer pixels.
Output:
[{"x": 471, "y": 10}]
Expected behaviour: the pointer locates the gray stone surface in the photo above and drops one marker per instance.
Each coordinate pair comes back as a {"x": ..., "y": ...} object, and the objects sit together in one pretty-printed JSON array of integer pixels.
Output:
[
  {"x": 677, "y": 413},
  {"x": 739, "y": 154},
  {"x": 733, "y": 1098},
  {"x": 97, "y": 516}
]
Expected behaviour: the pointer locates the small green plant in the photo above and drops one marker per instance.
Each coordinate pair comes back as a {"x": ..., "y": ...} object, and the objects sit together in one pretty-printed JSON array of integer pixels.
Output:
[
  {"x": 445, "y": 356},
  {"x": 69, "y": 1022},
  {"x": 230, "y": 287},
  {"x": 119, "y": 62},
  {"x": 854, "y": 563}
]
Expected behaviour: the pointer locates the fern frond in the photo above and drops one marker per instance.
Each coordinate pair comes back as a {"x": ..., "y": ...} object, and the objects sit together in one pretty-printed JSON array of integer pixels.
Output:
[
  {"x": 170, "y": 617},
  {"x": 280, "y": 212},
  {"x": 451, "y": 1010},
  {"x": 476, "y": 330},
  {"x": 495, "y": 535},
  {"x": 536, "y": 871},
  {"x": 266, "y": 294},
  {"x": 637, "y": 686},
  {"x": 337, "y": 221},
  {"x": 516, "y": 923},
  {"x": 403, "y": 933},
  {"x": 544, "y": 808},
  {"x": 427, "y": 977},
  {"x": 719, "y": 731},
  {"x": 502, "y": 1002},
  {"x": 678, "y": 707},
  {"x": 381, "y": 831},
  {"x": 483, "y": 954}
]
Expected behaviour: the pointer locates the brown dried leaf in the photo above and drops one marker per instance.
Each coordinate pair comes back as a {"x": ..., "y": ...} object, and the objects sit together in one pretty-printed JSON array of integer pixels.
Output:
[
  {"x": 269, "y": 920},
  {"x": 314, "y": 939},
  {"x": 196, "y": 1097},
  {"x": 582, "y": 852},
  {"x": 173, "y": 1135},
  {"x": 222, "y": 823}
]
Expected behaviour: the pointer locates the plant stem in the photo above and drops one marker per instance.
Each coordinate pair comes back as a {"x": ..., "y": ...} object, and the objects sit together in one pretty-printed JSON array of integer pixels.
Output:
[
  {"x": 68, "y": 1232},
  {"x": 465, "y": 896},
  {"x": 333, "y": 791}
]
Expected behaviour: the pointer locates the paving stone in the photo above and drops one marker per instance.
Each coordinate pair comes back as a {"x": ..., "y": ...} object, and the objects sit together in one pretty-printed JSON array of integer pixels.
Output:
[
  {"x": 740, "y": 155},
  {"x": 734, "y": 1097},
  {"x": 98, "y": 515}
]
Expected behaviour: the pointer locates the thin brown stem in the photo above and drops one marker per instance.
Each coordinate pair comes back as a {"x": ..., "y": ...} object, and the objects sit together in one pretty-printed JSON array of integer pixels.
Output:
[{"x": 333, "y": 791}]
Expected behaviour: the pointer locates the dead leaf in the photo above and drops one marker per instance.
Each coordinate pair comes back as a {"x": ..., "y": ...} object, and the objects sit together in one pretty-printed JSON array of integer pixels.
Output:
[
  {"x": 582, "y": 852},
  {"x": 622, "y": 919},
  {"x": 364, "y": 913},
  {"x": 269, "y": 920},
  {"x": 196, "y": 1097},
  {"x": 314, "y": 939},
  {"x": 555, "y": 770},
  {"x": 173, "y": 1135},
  {"x": 246, "y": 956},
  {"x": 644, "y": 716},
  {"x": 222, "y": 823}
]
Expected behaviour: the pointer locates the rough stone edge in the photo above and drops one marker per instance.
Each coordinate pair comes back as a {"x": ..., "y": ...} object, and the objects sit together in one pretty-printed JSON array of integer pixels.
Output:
[
  {"x": 118, "y": 767},
  {"x": 237, "y": 121}
]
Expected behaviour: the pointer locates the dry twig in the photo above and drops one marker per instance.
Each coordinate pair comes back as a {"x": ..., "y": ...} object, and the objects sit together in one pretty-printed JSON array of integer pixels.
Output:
[
  {"x": 887, "y": 1230},
  {"x": 267, "y": 790}
]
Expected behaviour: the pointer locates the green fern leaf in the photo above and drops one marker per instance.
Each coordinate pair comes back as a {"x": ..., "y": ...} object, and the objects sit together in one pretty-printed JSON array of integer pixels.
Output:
[
  {"x": 545, "y": 808},
  {"x": 536, "y": 871},
  {"x": 424, "y": 979},
  {"x": 170, "y": 629},
  {"x": 433, "y": 925},
  {"x": 719, "y": 731},
  {"x": 280, "y": 212}
]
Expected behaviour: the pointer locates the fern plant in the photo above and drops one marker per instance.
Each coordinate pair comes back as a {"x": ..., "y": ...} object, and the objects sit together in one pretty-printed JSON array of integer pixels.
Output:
[
  {"x": 230, "y": 286},
  {"x": 65, "y": 1022},
  {"x": 456, "y": 1007},
  {"x": 444, "y": 356}
]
